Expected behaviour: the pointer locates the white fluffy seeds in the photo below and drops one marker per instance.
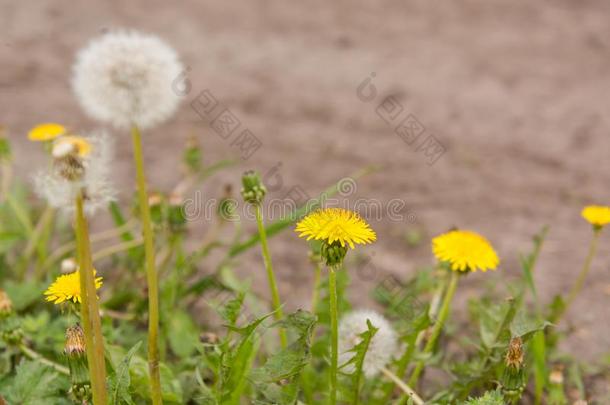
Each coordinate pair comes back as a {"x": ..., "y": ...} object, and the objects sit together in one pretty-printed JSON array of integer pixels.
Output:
[
  {"x": 382, "y": 348},
  {"x": 125, "y": 78},
  {"x": 95, "y": 182}
]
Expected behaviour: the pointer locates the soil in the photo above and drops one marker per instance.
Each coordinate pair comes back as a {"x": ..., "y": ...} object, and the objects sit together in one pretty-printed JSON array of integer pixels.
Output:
[{"x": 514, "y": 92}]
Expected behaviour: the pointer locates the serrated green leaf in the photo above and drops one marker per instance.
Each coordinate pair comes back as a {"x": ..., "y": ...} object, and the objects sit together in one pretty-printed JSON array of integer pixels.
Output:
[{"x": 120, "y": 380}]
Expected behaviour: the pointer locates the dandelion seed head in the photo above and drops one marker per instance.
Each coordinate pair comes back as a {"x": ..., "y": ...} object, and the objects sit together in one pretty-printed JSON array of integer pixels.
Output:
[
  {"x": 383, "y": 345},
  {"x": 67, "y": 145},
  {"x": 60, "y": 189},
  {"x": 125, "y": 78}
]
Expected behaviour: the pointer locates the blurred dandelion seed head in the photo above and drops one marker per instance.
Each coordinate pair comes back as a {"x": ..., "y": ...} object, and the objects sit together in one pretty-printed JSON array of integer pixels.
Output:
[
  {"x": 597, "y": 215},
  {"x": 60, "y": 186},
  {"x": 67, "y": 288},
  {"x": 67, "y": 145},
  {"x": 336, "y": 225},
  {"x": 465, "y": 251},
  {"x": 124, "y": 78},
  {"x": 382, "y": 347}
]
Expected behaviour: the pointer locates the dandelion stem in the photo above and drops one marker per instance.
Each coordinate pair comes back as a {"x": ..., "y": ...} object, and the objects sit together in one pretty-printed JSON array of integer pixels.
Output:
[
  {"x": 580, "y": 281},
  {"x": 316, "y": 287},
  {"x": 94, "y": 343},
  {"x": 275, "y": 296},
  {"x": 31, "y": 354},
  {"x": 334, "y": 335},
  {"x": 438, "y": 326},
  {"x": 404, "y": 387},
  {"x": 151, "y": 273}
]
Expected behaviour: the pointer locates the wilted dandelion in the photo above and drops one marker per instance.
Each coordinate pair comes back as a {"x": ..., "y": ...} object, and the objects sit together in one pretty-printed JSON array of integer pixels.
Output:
[
  {"x": 67, "y": 288},
  {"x": 74, "y": 173},
  {"x": 383, "y": 345},
  {"x": 597, "y": 215},
  {"x": 75, "y": 341},
  {"x": 124, "y": 78},
  {"x": 6, "y": 305},
  {"x": 46, "y": 132},
  {"x": 465, "y": 251}
]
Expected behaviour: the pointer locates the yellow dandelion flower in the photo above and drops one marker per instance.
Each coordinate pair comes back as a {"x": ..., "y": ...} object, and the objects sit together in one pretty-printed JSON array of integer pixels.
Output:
[
  {"x": 336, "y": 225},
  {"x": 46, "y": 132},
  {"x": 465, "y": 251},
  {"x": 67, "y": 288},
  {"x": 71, "y": 144},
  {"x": 597, "y": 215}
]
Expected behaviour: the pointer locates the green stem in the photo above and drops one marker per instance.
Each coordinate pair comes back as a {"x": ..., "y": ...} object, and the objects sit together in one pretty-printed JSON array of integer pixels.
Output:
[
  {"x": 94, "y": 343},
  {"x": 316, "y": 287},
  {"x": 151, "y": 273},
  {"x": 580, "y": 281},
  {"x": 409, "y": 392},
  {"x": 334, "y": 334},
  {"x": 438, "y": 326},
  {"x": 275, "y": 296},
  {"x": 33, "y": 355}
]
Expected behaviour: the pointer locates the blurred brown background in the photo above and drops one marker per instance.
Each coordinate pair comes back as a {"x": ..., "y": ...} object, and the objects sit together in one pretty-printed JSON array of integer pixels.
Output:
[{"x": 515, "y": 92}]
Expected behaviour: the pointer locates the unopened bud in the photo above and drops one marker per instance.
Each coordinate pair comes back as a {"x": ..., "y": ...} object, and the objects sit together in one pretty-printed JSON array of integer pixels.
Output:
[
  {"x": 253, "y": 191},
  {"x": 556, "y": 376},
  {"x": 6, "y": 305}
]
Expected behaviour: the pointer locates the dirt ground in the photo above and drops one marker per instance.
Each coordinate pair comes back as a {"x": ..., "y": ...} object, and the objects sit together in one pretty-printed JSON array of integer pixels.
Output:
[{"x": 515, "y": 93}]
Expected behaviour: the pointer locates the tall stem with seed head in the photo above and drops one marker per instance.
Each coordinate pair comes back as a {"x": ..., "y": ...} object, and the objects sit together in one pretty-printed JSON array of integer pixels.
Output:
[
  {"x": 90, "y": 314},
  {"x": 151, "y": 272}
]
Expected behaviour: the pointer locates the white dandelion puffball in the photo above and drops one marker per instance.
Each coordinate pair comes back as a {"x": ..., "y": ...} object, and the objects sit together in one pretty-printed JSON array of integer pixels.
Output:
[
  {"x": 96, "y": 180},
  {"x": 382, "y": 347},
  {"x": 125, "y": 78}
]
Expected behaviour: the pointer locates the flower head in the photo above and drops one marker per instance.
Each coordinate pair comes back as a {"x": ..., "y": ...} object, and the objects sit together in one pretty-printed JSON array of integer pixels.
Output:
[
  {"x": 73, "y": 173},
  {"x": 67, "y": 288},
  {"x": 46, "y": 132},
  {"x": 125, "y": 78},
  {"x": 382, "y": 347},
  {"x": 75, "y": 341},
  {"x": 597, "y": 215},
  {"x": 67, "y": 145},
  {"x": 465, "y": 251},
  {"x": 336, "y": 225}
]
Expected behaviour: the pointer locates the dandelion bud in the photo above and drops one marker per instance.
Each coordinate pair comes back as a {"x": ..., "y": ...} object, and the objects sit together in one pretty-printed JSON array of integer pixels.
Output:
[
  {"x": 192, "y": 155},
  {"x": 74, "y": 350},
  {"x": 253, "y": 190},
  {"x": 75, "y": 341},
  {"x": 556, "y": 376},
  {"x": 514, "y": 355},
  {"x": 6, "y": 305},
  {"x": 333, "y": 254},
  {"x": 68, "y": 265},
  {"x": 514, "y": 378},
  {"x": 10, "y": 330}
]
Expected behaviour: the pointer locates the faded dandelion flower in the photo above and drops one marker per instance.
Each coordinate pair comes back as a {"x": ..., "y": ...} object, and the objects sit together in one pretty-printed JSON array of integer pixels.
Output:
[
  {"x": 75, "y": 341},
  {"x": 79, "y": 167},
  {"x": 125, "y": 78},
  {"x": 382, "y": 348},
  {"x": 514, "y": 355}
]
